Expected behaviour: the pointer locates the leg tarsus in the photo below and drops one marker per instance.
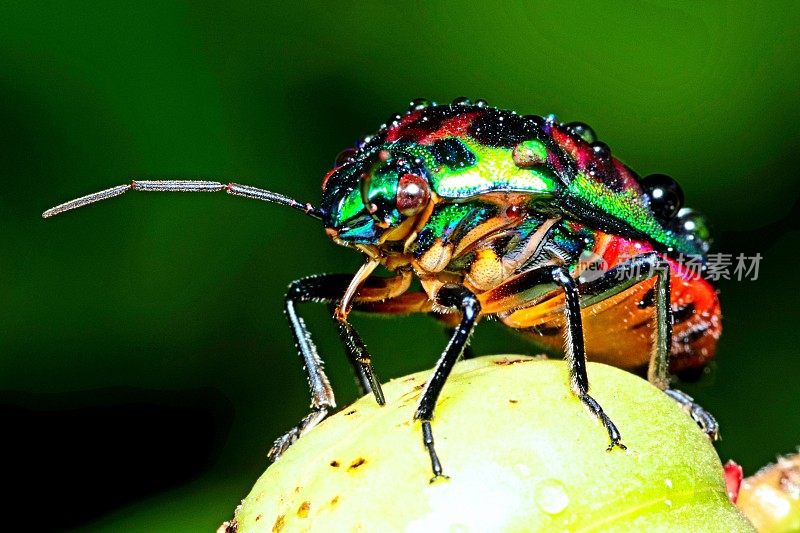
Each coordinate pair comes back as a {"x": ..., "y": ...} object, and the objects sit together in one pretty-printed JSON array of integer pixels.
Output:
[
  {"x": 290, "y": 437},
  {"x": 427, "y": 440},
  {"x": 703, "y": 418},
  {"x": 613, "y": 433}
]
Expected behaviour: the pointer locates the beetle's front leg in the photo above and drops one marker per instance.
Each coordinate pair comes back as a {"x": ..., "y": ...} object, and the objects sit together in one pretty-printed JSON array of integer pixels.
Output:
[
  {"x": 328, "y": 288},
  {"x": 466, "y": 302},
  {"x": 322, "y": 397}
]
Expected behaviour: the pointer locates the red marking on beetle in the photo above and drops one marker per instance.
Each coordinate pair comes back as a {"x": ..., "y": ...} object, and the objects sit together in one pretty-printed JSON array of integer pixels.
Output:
[
  {"x": 624, "y": 174},
  {"x": 452, "y": 127},
  {"x": 733, "y": 480},
  {"x": 420, "y": 132},
  {"x": 570, "y": 145},
  {"x": 335, "y": 464},
  {"x": 327, "y": 176},
  {"x": 278, "y": 523},
  {"x": 401, "y": 128}
]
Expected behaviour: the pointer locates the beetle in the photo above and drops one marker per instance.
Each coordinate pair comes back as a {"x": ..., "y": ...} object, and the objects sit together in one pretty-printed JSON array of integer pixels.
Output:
[{"x": 504, "y": 216}]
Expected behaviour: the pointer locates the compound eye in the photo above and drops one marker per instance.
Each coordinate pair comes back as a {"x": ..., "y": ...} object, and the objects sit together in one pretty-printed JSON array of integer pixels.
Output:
[
  {"x": 666, "y": 196},
  {"x": 413, "y": 194}
]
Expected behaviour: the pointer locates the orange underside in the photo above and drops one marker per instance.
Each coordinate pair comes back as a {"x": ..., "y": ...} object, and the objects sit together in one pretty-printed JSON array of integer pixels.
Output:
[{"x": 618, "y": 332}]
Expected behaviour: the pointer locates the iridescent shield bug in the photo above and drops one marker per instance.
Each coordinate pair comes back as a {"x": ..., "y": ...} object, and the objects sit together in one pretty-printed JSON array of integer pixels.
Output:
[{"x": 494, "y": 213}]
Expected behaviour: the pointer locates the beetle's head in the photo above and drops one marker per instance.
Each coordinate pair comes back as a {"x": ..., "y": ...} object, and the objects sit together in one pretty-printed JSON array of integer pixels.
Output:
[{"x": 372, "y": 198}]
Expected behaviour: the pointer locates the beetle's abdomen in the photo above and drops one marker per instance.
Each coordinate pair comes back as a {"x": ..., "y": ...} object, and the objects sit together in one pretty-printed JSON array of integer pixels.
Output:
[{"x": 619, "y": 330}]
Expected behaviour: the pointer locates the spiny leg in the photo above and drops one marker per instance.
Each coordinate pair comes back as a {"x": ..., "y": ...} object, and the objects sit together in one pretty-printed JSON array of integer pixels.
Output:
[
  {"x": 576, "y": 354},
  {"x": 468, "y": 353},
  {"x": 328, "y": 288},
  {"x": 464, "y": 300},
  {"x": 360, "y": 359},
  {"x": 527, "y": 289},
  {"x": 625, "y": 276},
  {"x": 322, "y": 397}
]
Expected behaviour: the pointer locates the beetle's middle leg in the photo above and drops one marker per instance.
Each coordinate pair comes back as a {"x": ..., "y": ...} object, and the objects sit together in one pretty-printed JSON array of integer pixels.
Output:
[
  {"x": 466, "y": 302},
  {"x": 625, "y": 276},
  {"x": 524, "y": 290}
]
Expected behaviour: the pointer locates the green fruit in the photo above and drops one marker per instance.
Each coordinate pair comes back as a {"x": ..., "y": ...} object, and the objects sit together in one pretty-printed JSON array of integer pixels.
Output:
[{"x": 521, "y": 452}]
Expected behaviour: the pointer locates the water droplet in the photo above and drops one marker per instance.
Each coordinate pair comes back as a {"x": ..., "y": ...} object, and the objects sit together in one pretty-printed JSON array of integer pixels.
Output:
[
  {"x": 522, "y": 470},
  {"x": 419, "y": 103},
  {"x": 668, "y": 483},
  {"x": 551, "y": 497},
  {"x": 601, "y": 150},
  {"x": 668, "y": 503},
  {"x": 582, "y": 130}
]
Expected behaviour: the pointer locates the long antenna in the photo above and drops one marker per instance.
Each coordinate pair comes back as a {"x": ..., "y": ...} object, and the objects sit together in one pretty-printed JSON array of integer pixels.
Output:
[{"x": 187, "y": 186}]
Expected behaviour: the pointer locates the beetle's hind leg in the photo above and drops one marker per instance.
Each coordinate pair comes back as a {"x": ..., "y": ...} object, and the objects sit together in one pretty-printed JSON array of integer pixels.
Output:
[
  {"x": 703, "y": 418},
  {"x": 541, "y": 281},
  {"x": 625, "y": 276},
  {"x": 576, "y": 354}
]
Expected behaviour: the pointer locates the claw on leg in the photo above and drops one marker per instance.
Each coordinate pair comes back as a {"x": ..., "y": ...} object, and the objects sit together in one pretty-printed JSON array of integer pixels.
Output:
[
  {"x": 290, "y": 437},
  {"x": 613, "y": 433},
  {"x": 703, "y": 418}
]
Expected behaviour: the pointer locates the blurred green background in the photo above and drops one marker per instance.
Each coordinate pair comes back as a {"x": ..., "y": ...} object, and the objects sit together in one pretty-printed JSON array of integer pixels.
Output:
[{"x": 146, "y": 365}]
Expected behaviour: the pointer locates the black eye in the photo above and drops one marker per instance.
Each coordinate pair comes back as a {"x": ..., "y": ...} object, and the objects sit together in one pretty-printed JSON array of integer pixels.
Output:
[
  {"x": 584, "y": 131},
  {"x": 666, "y": 196},
  {"x": 413, "y": 194},
  {"x": 693, "y": 227}
]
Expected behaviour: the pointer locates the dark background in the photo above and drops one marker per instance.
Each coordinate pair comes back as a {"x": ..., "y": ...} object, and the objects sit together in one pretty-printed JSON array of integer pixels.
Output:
[{"x": 146, "y": 366}]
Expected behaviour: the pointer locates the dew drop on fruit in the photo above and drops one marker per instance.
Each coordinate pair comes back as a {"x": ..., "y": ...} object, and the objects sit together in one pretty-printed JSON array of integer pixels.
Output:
[{"x": 551, "y": 497}]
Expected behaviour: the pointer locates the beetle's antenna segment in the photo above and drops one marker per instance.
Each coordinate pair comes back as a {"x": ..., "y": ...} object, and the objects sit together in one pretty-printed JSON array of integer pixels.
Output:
[{"x": 187, "y": 186}]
